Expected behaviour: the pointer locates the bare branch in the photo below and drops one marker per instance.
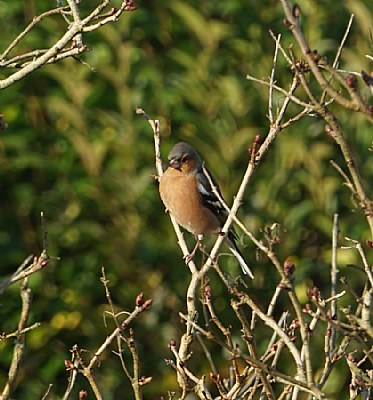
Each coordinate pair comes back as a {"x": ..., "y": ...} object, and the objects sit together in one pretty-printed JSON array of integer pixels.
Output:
[
  {"x": 272, "y": 80},
  {"x": 19, "y": 346},
  {"x": 355, "y": 102},
  {"x": 28, "y": 267},
  {"x": 61, "y": 48}
]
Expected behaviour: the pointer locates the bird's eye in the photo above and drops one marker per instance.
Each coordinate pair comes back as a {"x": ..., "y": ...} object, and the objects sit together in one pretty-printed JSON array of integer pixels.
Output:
[{"x": 185, "y": 158}]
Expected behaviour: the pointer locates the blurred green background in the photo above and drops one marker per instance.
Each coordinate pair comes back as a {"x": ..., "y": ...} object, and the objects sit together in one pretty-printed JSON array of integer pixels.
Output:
[{"x": 76, "y": 150}]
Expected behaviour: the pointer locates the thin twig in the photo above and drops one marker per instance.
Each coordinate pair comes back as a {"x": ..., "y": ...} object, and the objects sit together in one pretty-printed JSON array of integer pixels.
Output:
[
  {"x": 134, "y": 314},
  {"x": 28, "y": 267},
  {"x": 73, "y": 368},
  {"x": 355, "y": 102},
  {"x": 69, "y": 44},
  {"x": 272, "y": 81},
  {"x": 367, "y": 268},
  {"x": 46, "y": 394},
  {"x": 294, "y": 99},
  {"x": 22, "y": 332},
  {"x": 334, "y": 269},
  {"x": 339, "y": 52},
  {"x": 29, "y": 27},
  {"x": 246, "y": 299},
  {"x": 207, "y": 353},
  {"x": 19, "y": 346},
  {"x": 343, "y": 41},
  {"x": 274, "y": 37}
]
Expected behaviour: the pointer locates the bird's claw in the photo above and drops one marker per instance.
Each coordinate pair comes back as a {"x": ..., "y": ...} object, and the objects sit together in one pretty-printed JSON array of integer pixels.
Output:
[{"x": 189, "y": 257}]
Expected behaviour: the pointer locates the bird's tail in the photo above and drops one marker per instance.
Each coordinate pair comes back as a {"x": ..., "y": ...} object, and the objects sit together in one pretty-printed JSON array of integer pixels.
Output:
[{"x": 234, "y": 249}]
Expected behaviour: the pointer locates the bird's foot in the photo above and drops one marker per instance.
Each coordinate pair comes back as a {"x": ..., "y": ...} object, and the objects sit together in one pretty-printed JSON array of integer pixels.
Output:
[{"x": 188, "y": 258}]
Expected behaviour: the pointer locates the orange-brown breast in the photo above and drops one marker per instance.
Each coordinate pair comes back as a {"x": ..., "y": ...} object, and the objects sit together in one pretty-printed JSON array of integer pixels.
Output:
[{"x": 180, "y": 195}]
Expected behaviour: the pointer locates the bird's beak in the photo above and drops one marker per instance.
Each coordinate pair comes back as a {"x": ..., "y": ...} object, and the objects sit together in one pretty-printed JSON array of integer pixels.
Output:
[{"x": 174, "y": 163}]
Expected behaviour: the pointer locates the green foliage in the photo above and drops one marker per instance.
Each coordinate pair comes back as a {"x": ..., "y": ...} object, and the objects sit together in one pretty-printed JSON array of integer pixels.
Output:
[{"x": 76, "y": 150}]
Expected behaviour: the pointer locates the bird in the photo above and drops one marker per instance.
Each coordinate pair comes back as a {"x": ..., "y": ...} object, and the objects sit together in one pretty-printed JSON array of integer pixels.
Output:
[{"x": 188, "y": 196}]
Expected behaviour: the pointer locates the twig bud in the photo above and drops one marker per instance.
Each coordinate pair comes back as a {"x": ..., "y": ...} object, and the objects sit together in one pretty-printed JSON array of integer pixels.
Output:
[
  {"x": 328, "y": 129},
  {"x": 143, "y": 380},
  {"x": 139, "y": 299},
  {"x": 131, "y": 5},
  {"x": 296, "y": 11},
  {"x": 83, "y": 395},
  {"x": 44, "y": 261},
  {"x": 68, "y": 365},
  {"x": 257, "y": 140},
  {"x": 289, "y": 267},
  {"x": 214, "y": 378},
  {"x": 368, "y": 79},
  {"x": 207, "y": 293},
  {"x": 351, "y": 81},
  {"x": 359, "y": 382},
  {"x": 147, "y": 304},
  {"x": 3, "y": 125},
  {"x": 315, "y": 55},
  {"x": 253, "y": 149},
  {"x": 313, "y": 293}
]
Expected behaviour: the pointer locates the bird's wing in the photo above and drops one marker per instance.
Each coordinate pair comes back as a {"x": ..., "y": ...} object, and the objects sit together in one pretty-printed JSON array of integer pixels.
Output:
[{"x": 209, "y": 199}]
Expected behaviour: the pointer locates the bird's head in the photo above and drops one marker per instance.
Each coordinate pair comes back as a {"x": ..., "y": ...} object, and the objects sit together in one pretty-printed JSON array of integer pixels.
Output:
[{"x": 184, "y": 158}]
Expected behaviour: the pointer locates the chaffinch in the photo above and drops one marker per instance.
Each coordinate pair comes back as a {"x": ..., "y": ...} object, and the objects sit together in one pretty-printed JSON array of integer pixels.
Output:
[{"x": 188, "y": 196}]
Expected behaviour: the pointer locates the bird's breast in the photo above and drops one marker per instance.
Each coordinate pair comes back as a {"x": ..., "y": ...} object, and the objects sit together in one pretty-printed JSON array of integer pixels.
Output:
[{"x": 182, "y": 199}]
